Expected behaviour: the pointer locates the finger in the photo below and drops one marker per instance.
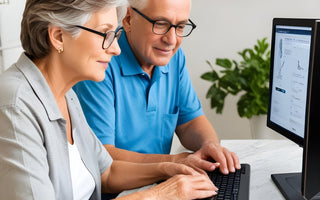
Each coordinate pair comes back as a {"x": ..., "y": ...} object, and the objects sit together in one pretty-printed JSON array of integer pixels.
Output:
[
  {"x": 207, "y": 165},
  {"x": 199, "y": 170},
  {"x": 223, "y": 162},
  {"x": 236, "y": 161},
  {"x": 202, "y": 182},
  {"x": 205, "y": 194},
  {"x": 193, "y": 171},
  {"x": 230, "y": 162},
  {"x": 186, "y": 170}
]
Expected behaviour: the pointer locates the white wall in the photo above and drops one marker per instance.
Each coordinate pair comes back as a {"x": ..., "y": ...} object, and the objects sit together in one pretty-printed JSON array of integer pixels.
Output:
[
  {"x": 10, "y": 18},
  {"x": 225, "y": 27}
]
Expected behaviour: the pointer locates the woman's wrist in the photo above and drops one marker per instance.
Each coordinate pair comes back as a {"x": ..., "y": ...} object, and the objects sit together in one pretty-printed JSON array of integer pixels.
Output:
[{"x": 150, "y": 194}]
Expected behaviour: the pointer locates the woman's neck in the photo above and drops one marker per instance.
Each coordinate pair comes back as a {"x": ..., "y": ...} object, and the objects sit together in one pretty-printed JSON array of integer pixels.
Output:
[
  {"x": 55, "y": 76},
  {"x": 59, "y": 83}
]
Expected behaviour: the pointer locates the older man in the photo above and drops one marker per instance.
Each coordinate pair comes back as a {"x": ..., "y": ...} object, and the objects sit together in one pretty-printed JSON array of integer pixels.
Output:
[{"x": 147, "y": 94}]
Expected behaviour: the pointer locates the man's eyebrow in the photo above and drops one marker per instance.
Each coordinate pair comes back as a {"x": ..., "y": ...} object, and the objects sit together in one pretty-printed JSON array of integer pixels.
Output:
[{"x": 166, "y": 19}]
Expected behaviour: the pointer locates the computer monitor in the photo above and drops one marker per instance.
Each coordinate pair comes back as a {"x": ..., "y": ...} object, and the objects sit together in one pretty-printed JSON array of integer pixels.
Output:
[{"x": 294, "y": 100}]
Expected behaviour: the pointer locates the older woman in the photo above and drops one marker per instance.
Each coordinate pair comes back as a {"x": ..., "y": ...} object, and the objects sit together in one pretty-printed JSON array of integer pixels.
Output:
[{"x": 47, "y": 150}]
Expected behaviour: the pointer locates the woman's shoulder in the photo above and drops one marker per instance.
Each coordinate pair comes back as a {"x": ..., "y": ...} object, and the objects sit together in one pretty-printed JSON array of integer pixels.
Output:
[{"x": 12, "y": 86}]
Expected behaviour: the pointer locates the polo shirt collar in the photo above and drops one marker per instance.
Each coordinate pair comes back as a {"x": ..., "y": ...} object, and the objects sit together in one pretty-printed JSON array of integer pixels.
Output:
[
  {"x": 39, "y": 86},
  {"x": 128, "y": 62}
]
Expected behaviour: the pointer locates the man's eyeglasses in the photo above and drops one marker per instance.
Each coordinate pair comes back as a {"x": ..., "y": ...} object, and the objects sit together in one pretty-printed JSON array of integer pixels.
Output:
[
  {"x": 161, "y": 27},
  {"x": 108, "y": 37}
]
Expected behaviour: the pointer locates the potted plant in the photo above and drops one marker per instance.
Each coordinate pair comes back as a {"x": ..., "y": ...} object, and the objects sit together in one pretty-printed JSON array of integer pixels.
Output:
[{"x": 249, "y": 78}]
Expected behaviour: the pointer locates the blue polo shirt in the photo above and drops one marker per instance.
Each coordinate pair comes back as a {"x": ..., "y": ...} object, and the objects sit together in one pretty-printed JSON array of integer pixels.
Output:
[{"x": 133, "y": 112}]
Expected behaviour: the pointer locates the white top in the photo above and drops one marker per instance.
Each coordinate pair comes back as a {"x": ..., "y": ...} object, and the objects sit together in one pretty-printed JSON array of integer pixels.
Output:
[{"x": 82, "y": 181}]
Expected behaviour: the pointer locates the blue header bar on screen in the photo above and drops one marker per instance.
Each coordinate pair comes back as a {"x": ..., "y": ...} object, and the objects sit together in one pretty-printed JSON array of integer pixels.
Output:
[{"x": 294, "y": 30}]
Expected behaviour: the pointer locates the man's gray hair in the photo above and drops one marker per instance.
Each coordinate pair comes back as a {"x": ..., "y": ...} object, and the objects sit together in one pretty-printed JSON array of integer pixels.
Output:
[
  {"x": 40, "y": 14},
  {"x": 138, "y": 4}
]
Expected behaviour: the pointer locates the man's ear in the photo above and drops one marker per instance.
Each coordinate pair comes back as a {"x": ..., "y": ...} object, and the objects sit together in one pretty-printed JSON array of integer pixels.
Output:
[
  {"x": 127, "y": 20},
  {"x": 55, "y": 37}
]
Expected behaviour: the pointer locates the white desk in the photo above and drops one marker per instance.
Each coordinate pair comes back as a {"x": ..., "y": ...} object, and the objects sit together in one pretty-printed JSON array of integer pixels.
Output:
[{"x": 265, "y": 157}]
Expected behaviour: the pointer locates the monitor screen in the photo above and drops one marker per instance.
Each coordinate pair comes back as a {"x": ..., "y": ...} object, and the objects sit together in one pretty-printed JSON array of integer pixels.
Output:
[
  {"x": 294, "y": 96},
  {"x": 289, "y": 82}
]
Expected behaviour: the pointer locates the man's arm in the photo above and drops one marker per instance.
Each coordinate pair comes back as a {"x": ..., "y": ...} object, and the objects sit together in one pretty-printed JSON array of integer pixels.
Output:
[
  {"x": 192, "y": 160},
  {"x": 198, "y": 135},
  {"x": 130, "y": 156}
]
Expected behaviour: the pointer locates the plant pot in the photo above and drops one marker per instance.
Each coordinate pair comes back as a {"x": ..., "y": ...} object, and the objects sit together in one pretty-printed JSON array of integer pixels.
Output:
[{"x": 259, "y": 129}]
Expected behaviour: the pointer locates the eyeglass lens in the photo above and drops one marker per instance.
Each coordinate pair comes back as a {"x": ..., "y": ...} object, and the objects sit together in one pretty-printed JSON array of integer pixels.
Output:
[
  {"x": 162, "y": 27},
  {"x": 109, "y": 38}
]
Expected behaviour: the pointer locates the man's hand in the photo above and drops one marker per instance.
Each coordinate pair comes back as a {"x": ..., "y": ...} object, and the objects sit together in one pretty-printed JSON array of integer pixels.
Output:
[
  {"x": 199, "y": 135},
  {"x": 228, "y": 160},
  {"x": 209, "y": 157},
  {"x": 196, "y": 162}
]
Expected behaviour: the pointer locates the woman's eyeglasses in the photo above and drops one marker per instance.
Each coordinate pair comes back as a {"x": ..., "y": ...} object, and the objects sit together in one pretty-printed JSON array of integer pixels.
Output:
[{"x": 108, "y": 37}]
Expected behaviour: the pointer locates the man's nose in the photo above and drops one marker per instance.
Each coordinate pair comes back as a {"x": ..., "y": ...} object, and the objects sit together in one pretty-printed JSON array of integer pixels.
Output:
[{"x": 170, "y": 37}]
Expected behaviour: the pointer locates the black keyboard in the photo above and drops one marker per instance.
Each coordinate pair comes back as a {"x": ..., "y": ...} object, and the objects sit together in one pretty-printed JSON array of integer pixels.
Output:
[{"x": 234, "y": 186}]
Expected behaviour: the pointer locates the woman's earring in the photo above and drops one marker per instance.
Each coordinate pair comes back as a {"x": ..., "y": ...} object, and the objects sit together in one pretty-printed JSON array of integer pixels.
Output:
[{"x": 60, "y": 50}]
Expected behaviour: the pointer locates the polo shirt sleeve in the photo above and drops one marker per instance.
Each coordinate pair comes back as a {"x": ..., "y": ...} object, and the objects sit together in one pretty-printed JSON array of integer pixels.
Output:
[
  {"x": 97, "y": 102},
  {"x": 189, "y": 104}
]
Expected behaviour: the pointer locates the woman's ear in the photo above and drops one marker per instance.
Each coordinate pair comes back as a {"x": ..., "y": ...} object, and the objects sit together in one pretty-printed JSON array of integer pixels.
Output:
[
  {"x": 126, "y": 22},
  {"x": 55, "y": 37}
]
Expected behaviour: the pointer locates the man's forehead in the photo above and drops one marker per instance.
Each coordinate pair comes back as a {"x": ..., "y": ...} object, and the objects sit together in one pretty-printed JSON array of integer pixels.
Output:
[
  {"x": 182, "y": 5},
  {"x": 178, "y": 9}
]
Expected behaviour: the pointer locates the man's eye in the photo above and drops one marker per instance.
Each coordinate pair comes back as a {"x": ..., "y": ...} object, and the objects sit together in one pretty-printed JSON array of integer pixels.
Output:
[
  {"x": 181, "y": 26},
  {"x": 161, "y": 23}
]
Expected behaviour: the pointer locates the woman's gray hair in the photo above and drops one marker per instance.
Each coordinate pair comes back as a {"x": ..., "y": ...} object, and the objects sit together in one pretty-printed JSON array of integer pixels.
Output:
[{"x": 40, "y": 14}]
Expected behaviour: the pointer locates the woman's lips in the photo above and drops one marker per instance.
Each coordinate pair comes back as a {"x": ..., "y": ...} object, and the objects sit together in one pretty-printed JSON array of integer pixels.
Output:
[{"x": 104, "y": 64}]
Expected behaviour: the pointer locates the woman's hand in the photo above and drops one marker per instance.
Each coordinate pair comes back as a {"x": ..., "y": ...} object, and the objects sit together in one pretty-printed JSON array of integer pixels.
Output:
[{"x": 184, "y": 187}]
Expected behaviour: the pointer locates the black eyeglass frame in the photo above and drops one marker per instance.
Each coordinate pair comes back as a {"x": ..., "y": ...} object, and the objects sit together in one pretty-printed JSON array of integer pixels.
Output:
[
  {"x": 171, "y": 25},
  {"x": 117, "y": 34}
]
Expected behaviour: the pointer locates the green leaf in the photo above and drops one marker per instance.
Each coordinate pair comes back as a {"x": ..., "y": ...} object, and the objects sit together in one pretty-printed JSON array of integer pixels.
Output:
[
  {"x": 209, "y": 63},
  {"x": 225, "y": 63},
  {"x": 210, "y": 76}
]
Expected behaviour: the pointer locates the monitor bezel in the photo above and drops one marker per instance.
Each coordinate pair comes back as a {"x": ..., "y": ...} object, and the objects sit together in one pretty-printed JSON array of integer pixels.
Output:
[{"x": 279, "y": 129}]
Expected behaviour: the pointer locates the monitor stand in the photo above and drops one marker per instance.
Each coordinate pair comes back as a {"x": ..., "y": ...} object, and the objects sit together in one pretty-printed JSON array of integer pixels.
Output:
[{"x": 289, "y": 185}]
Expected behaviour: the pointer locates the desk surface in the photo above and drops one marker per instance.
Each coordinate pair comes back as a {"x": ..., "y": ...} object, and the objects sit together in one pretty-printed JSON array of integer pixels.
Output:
[{"x": 265, "y": 157}]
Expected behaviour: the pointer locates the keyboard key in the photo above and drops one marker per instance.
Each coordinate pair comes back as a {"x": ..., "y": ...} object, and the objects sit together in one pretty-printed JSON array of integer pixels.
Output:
[{"x": 229, "y": 185}]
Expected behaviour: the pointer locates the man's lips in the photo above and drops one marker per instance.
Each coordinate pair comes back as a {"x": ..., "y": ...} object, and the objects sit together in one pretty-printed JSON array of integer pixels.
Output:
[{"x": 163, "y": 51}]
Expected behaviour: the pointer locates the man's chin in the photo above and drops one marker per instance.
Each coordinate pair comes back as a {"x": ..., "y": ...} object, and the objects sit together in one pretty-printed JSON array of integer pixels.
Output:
[{"x": 162, "y": 62}]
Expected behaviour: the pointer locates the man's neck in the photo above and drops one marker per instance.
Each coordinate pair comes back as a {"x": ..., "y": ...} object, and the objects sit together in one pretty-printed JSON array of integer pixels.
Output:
[{"x": 148, "y": 69}]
